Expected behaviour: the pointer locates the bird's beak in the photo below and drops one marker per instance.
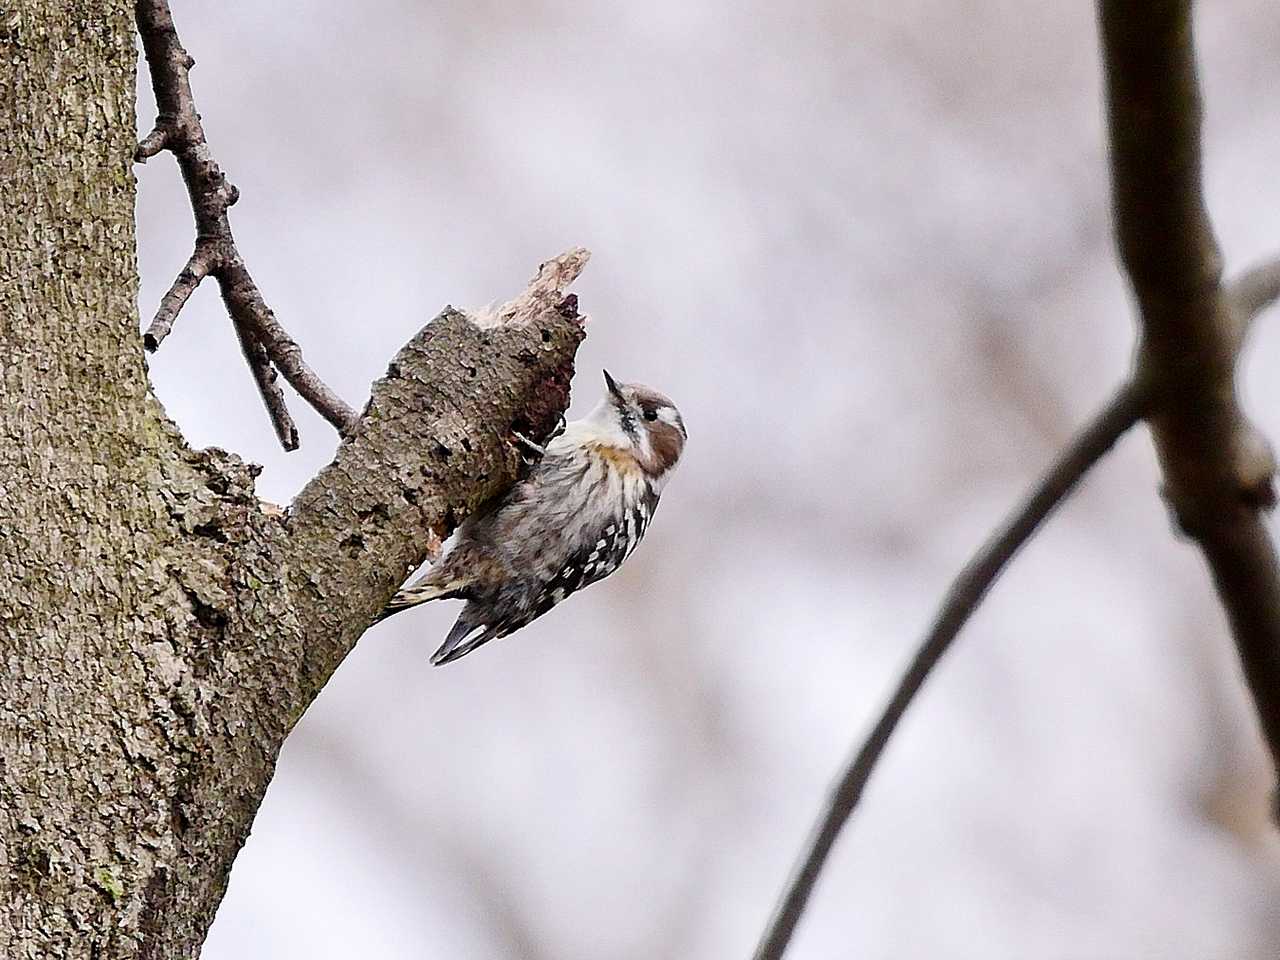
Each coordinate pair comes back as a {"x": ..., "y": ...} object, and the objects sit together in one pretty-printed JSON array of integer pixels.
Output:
[{"x": 612, "y": 384}]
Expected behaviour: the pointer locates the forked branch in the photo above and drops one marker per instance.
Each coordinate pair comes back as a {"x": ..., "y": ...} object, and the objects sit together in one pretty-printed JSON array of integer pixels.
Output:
[
  {"x": 265, "y": 342},
  {"x": 1218, "y": 468},
  {"x": 1250, "y": 294}
]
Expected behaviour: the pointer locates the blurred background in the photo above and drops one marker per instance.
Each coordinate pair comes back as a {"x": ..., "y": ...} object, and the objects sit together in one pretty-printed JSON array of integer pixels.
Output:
[{"x": 866, "y": 249}]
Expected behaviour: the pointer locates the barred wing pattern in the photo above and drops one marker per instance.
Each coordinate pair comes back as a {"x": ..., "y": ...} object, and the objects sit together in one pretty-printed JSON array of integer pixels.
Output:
[
  {"x": 535, "y": 586},
  {"x": 595, "y": 561}
]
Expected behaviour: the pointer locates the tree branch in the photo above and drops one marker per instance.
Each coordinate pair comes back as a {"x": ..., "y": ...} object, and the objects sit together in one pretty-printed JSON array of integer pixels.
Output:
[
  {"x": 273, "y": 602},
  {"x": 262, "y": 338},
  {"x": 1217, "y": 466},
  {"x": 962, "y": 599},
  {"x": 436, "y": 441}
]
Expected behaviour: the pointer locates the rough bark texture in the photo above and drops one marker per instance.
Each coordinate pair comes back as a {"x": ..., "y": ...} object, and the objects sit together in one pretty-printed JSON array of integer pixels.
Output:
[{"x": 160, "y": 631}]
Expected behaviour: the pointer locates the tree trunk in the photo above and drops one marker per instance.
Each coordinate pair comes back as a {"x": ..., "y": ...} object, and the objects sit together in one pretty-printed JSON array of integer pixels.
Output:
[{"x": 161, "y": 631}]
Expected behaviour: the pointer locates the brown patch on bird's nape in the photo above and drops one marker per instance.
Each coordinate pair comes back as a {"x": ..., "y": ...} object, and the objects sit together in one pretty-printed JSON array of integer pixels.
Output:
[
  {"x": 667, "y": 443},
  {"x": 666, "y": 440}
]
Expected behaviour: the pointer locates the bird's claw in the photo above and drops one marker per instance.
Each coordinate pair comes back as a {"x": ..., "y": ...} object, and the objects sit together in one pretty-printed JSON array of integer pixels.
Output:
[{"x": 532, "y": 451}]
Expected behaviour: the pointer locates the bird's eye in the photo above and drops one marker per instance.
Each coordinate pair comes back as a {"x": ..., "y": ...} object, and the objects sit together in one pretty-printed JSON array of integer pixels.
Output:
[{"x": 651, "y": 415}]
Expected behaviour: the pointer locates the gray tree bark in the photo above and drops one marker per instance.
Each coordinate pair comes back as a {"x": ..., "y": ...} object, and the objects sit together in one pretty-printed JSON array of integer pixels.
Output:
[{"x": 161, "y": 632}]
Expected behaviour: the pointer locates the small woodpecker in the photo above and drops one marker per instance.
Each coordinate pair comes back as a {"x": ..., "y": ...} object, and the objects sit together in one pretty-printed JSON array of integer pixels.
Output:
[{"x": 581, "y": 511}]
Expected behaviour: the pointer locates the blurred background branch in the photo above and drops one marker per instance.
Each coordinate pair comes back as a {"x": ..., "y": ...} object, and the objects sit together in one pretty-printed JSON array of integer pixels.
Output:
[
  {"x": 962, "y": 599},
  {"x": 1254, "y": 291},
  {"x": 1218, "y": 470}
]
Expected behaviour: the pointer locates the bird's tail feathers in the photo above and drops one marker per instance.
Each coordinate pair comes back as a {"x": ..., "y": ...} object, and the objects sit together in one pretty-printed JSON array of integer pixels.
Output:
[
  {"x": 421, "y": 592},
  {"x": 467, "y": 634}
]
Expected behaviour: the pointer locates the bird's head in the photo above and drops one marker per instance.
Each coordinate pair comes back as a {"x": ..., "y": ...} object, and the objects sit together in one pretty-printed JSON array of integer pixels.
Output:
[{"x": 644, "y": 422}]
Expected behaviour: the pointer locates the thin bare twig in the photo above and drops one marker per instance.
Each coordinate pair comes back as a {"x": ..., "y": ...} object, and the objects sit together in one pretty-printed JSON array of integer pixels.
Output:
[
  {"x": 197, "y": 268},
  {"x": 264, "y": 375},
  {"x": 962, "y": 599},
  {"x": 1255, "y": 290},
  {"x": 1218, "y": 468},
  {"x": 263, "y": 340},
  {"x": 246, "y": 306}
]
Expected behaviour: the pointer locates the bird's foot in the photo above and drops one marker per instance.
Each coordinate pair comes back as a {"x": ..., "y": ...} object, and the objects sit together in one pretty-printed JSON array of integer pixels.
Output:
[{"x": 532, "y": 451}]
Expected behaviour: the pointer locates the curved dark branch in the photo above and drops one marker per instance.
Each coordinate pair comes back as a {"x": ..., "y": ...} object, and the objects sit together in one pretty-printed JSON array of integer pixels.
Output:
[
  {"x": 962, "y": 599},
  {"x": 263, "y": 340}
]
